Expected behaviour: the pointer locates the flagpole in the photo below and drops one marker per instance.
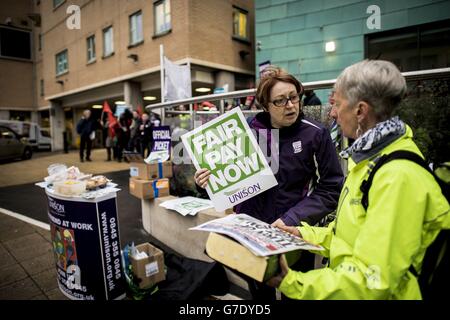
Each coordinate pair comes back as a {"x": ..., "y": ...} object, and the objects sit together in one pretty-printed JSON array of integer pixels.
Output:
[
  {"x": 161, "y": 59},
  {"x": 191, "y": 107}
]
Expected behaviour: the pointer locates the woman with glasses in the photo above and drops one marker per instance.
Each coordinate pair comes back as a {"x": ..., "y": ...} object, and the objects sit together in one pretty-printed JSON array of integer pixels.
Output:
[{"x": 302, "y": 158}]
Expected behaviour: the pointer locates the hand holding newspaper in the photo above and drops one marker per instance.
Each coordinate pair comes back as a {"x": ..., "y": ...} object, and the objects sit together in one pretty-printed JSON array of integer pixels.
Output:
[{"x": 259, "y": 237}]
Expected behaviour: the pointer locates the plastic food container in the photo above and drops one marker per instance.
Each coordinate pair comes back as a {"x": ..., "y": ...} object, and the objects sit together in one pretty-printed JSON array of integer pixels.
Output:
[
  {"x": 70, "y": 187},
  {"x": 56, "y": 168},
  {"x": 56, "y": 172}
]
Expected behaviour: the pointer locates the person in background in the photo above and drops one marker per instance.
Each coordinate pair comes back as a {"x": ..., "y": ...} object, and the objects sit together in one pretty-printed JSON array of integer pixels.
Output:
[
  {"x": 335, "y": 130},
  {"x": 372, "y": 247},
  {"x": 145, "y": 135},
  {"x": 135, "y": 143},
  {"x": 122, "y": 131},
  {"x": 309, "y": 174},
  {"x": 85, "y": 127},
  {"x": 109, "y": 141},
  {"x": 155, "y": 119},
  {"x": 311, "y": 99}
]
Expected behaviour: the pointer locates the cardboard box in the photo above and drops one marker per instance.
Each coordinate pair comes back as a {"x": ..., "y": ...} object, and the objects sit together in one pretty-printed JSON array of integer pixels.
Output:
[
  {"x": 144, "y": 171},
  {"x": 235, "y": 256},
  {"x": 149, "y": 270},
  {"x": 149, "y": 189}
]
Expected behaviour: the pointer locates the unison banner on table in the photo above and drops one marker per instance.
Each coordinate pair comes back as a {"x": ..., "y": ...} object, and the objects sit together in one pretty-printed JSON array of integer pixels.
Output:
[
  {"x": 227, "y": 148},
  {"x": 86, "y": 245}
]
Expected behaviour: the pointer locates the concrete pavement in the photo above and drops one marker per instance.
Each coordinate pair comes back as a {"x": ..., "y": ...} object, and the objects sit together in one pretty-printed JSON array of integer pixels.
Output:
[{"x": 27, "y": 267}]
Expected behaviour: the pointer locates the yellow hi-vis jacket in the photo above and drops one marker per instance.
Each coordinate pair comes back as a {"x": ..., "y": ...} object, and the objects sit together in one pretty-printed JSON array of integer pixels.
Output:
[{"x": 370, "y": 252}]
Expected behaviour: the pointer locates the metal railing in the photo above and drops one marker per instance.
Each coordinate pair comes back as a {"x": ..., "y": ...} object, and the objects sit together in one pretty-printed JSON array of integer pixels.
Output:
[
  {"x": 319, "y": 113},
  {"x": 315, "y": 85}
]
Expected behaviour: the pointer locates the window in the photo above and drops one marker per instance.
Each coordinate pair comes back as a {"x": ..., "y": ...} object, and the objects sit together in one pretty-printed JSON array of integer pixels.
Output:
[
  {"x": 136, "y": 34},
  {"x": 15, "y": 43},
  {"x": 7, "y": 134},
  {"x": 45, "y": 118},
  {"x": 240, "y": 26},
  {"x": 41, "y": 87},
  {"x": 413, "y": 48},
  {"x": 108, "y": 42},
  {"x": 40, "y": 42},
  {"x": 62, "y": 63},
  {"x": 90, "y": 42},
  {"x": 161, "y": 11},
  {"x": 57, "y": 3},
  {"x": 20, "y": 115}
]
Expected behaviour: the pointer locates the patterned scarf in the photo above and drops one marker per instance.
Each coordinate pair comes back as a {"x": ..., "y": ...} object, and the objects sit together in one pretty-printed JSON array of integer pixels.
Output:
[
  {"x": 382, "y": 133},
  {"x": 335, "y": 132}
]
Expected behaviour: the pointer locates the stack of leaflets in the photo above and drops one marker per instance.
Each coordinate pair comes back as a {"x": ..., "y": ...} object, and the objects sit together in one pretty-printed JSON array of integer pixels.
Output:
[{"x": 187, "y": 205}]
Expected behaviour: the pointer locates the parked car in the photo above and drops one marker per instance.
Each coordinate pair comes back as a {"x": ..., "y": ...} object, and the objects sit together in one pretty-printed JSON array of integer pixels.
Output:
[
  {"x": 12, "y": 145},
  {"x": 36, "y": 136}
]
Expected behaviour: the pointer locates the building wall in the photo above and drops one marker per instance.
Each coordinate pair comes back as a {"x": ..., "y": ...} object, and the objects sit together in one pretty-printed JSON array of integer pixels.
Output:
[
  {"x": 16, "y": 80},
  {"x": 293, "y": 33},
  {"x": 199, "y": 31},
  {"x": 211, "y": 30},
  {"x": 16, "y": 85},
  {"x": 95, "y": 16}
]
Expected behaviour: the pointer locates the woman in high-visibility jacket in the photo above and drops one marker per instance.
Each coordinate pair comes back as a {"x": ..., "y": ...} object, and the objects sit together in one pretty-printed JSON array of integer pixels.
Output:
[{"x": 370, "y": 251}]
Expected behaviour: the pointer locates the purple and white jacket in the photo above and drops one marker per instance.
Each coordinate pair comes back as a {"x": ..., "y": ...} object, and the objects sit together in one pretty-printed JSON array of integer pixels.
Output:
[{"x": 309, "y": 174}]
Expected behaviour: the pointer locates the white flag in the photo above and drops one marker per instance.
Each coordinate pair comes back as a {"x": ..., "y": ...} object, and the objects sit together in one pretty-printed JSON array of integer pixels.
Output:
[{"x": 177, "y": 81}]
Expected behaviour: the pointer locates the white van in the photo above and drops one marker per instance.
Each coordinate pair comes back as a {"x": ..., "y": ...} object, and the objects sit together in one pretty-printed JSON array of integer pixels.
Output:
[{"x": 37, "y": 137}]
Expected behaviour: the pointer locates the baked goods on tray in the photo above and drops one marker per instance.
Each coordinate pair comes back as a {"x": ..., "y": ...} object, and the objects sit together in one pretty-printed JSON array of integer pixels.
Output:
[{"x": 96, "y": 182}]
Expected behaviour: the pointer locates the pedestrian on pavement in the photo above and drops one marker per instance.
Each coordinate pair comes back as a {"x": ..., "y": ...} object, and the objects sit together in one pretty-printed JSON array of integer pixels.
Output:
[
  {"x": 309, "y": 174},
  {"x": 372, "y": 245},
  {"x": 86, "y": 130},
  {"x": 135, "y": 144},
  {"x": 122, "y": 131},
  {"x": 145, "y": 135},
  {"x": 109, "y": 141}
]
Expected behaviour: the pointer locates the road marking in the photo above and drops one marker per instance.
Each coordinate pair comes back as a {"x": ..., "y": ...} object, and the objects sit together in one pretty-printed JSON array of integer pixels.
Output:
[
  {"x": 228, "y": 296},
  {"x": 26, "y": 219}
]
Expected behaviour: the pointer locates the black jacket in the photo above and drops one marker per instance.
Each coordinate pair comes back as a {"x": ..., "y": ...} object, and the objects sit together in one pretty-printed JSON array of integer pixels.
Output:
[
  {"x": 85, "y": 127},
  {"x": 312, "y": 100}
]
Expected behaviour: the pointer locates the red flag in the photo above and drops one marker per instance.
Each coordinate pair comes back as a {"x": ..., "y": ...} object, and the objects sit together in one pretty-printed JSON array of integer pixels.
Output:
[
  {"x": 139, "y": 110},
  {"x": 106, "y": 107},
  {"x": 111, "y": 119}
]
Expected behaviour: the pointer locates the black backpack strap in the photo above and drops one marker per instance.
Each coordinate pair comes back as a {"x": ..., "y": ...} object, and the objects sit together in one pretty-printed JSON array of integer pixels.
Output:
[{"x": 401, "y": 154}]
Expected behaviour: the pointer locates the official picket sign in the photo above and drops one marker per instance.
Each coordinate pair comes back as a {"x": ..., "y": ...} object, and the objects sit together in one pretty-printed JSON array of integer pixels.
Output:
[
  {"x": 86, "y": 246},
  {"x": 227, "y": 148},
  {"x": 161, "y": 145}
]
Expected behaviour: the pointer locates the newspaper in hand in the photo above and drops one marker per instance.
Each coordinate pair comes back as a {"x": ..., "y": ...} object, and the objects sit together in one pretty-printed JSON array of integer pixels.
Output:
[{"x": 259, "y": 237}]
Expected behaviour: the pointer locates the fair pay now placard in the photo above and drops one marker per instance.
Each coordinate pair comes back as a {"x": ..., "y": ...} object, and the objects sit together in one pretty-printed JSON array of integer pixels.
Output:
[{"x": 228, "y": 149}]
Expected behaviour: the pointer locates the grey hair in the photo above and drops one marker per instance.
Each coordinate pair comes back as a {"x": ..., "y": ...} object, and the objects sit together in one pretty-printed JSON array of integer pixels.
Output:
[{"x": 377, "y": 82}]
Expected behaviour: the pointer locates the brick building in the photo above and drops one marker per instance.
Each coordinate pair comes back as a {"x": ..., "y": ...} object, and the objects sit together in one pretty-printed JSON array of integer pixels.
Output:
[{"x": 83, "y": 52}]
